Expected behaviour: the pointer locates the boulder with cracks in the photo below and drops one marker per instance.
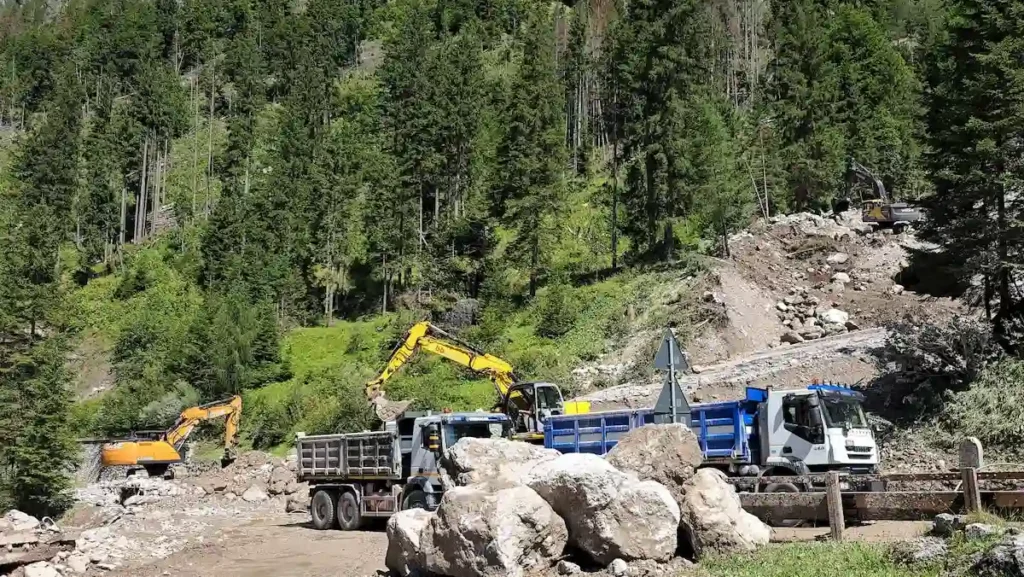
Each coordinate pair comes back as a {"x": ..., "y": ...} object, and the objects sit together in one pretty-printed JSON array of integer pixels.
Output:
[{"x": 609, "y": 514}]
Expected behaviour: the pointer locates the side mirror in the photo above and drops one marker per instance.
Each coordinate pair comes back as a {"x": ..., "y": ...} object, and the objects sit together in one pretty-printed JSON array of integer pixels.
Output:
[{"x": 815, "y": 417}]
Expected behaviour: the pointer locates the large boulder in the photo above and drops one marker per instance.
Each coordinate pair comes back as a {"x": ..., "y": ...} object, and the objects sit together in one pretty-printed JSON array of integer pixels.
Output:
[
  {"x": 405, "y": 555},
  {"x": 668, "y": 454},
  {"x": 714, "y": 520},
  {"x": 610, "y": 514},
  {"x": 498, "y": 462},
  {"x": 476, "y": 533},
  {"x": 1005, "y": 559},
  {"x": 280, "y": 480}
]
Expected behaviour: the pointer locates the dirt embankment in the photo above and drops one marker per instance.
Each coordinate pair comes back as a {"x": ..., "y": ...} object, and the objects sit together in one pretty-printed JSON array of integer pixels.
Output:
[{"x": 803, "y": 297}]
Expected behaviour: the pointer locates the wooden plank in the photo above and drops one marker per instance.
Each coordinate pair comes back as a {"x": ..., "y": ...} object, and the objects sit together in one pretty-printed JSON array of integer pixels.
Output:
[
  {"x": 809, "y": 506},
  {"x": 972, "y": 495},
  {"x": 902, "y": 506},
  {"x": 834, "y": 501}
]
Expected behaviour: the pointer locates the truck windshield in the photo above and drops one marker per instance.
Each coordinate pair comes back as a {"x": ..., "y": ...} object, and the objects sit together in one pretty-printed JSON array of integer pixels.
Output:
[
  {"x": 483, "y": 430},
  {"x": 841, "y": 412}
]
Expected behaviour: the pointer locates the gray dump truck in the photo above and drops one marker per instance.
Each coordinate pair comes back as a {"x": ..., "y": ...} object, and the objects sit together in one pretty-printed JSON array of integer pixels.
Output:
[{"x": 358, "y": 476}]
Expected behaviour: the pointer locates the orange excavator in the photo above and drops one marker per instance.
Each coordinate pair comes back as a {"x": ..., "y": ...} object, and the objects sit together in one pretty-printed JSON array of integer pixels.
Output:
[{"x": 156, "y": 451}]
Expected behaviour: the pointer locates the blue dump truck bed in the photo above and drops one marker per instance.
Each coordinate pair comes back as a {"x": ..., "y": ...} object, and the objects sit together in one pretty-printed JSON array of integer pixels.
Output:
[{"x": 725, "y": 430}]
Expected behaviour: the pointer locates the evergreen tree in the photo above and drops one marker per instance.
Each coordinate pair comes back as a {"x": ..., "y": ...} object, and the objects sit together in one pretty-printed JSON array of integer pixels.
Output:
[
  {"x": 532, "y": 156},
  {"x": 975, "y": 123},
  {"x": 37, "y": 450}
]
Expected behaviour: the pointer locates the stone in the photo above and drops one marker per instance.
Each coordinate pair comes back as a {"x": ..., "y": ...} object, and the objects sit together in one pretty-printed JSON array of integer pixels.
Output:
[
  {"x": 496, "y": 461},
  {"x": 945, "y": 524},
  {"x": 833, "y": 316},
  {"x": 618, "y": 568},
  {"x": 896, "y": 289},
  {"x": 792, "y": 337},
  {"x": 18, "y": 521},
  {"x": 781, "y": 306},
  {"x": 668, "y": 454},
  {"x": 838, "y": 258},
  {"x": 254, "y": 495},
  {"x": 297, "y": 503},
  {"x": 41, "y": 569},
  {"x": 971, "y": 453},
  {"x": 713, "y": 520},
  {"x": 405, "y": 555},
  {"x": 811, "y": 333},
  {"x": 925, "y": 550},
  {"x": 280, "y": 478},
  {"x": 475, "y": 533},
  {"x": 17, "y": 539},
  {"x": 852, "y": 326},
  {"x": 980, "y": 531},
  {"x": 610, "y": 514},
  {"x": 1006, "y": 558},
  {"x": 78, "y": 563},
  {"x": 841, "y": 278},
  {"x": 565, "y": 567}
]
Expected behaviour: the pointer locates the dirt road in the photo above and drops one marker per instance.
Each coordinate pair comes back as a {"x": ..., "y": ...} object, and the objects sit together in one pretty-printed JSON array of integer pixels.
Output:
[
  {"x": 842, "y": 357},
  {"x": 279, "y": 546}
]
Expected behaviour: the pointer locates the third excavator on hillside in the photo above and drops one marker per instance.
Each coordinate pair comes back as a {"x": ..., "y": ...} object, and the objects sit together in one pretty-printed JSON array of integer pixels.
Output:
[{"x": 526, "y": 403}]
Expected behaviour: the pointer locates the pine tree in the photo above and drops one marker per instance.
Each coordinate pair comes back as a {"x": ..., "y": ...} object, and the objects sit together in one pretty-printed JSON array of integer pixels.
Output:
[
  {"x": 37, "y": 451},
  {"x": 532, "y": 156},
  {"x": 975, "y": 123}
]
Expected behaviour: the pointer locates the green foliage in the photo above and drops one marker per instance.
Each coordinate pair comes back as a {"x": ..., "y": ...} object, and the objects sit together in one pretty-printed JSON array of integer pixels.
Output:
[
  {"x": 990, "y": 409},
  {"x": 813, "y": 560},
  {"x": 558, "y": 310},
  {"x": 974, "y": 118},
  {"x": 37, "y": 451}
]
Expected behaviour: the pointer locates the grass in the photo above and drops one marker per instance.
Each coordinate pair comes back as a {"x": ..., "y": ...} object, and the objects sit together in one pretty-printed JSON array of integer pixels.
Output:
[{"x": 813, "y": 560}]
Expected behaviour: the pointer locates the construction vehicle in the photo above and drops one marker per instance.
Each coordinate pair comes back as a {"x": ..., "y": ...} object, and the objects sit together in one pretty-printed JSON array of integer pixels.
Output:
[
  {"x": 157, "y": 451},
  {"x": 359, "y": 476},
  {"x": 527, "y": 404},
  {"x": 768, "y": 433},
  {"x": 881, "y": 209}
]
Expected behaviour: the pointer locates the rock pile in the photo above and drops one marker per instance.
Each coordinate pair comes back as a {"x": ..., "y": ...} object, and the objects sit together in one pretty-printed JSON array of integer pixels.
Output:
[
  {"x": 255, "y": 477},
  {"x": 808, "y": 318},
  {"x": 32, "y": 547},
  {"x": 511, "y": 509},
  {"x": 1000, "y": 548}
]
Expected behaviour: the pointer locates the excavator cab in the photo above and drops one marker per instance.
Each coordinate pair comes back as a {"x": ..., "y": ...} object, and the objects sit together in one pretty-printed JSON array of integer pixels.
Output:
[{"x": 529, "y": 404}]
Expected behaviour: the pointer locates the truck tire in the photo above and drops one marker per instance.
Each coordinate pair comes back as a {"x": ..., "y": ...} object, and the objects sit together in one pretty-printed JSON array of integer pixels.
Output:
[
  {"x": 349, "y": 516},
  {"x": 414, "y": 500},
  {"x": 783, "y": 488},
  {"x": 322, "y": 510}
]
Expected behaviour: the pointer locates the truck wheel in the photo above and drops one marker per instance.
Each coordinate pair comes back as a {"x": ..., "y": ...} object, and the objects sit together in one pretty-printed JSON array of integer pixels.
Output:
[
  {"x": 783, "y": 488},
  {"x": 415, "y": 500},
  {"x": 349, "y": 516},
  {"x": 322, "y": 510}
]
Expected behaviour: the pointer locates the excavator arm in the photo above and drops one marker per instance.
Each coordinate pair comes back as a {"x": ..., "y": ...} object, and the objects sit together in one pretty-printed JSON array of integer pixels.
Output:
[
  {"x": 191, "y": 417},
  {"x": 856, "y": 170},
  {"x": 427, "y": 337}
]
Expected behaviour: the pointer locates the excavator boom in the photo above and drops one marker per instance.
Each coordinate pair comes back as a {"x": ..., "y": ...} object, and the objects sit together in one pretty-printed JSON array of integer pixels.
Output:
[{"x": 526, "y": 400}]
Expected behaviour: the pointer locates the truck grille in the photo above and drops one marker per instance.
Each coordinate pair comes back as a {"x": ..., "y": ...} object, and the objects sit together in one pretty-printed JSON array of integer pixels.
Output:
[{"x": 856, "y": 449}]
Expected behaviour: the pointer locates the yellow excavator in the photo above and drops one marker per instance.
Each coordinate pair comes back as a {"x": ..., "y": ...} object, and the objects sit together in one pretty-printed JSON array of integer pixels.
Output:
[
  {"x": 527, "y": 404},
  {"x": 156, "y": 451}
]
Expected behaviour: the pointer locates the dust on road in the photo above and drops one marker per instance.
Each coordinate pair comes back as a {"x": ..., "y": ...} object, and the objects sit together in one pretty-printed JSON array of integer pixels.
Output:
[{"x": 280, "y": 546}]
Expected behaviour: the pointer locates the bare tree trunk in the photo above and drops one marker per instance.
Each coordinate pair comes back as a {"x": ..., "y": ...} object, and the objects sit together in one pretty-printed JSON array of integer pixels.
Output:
[
  {"x": 140, "y": 202},
  {"x": 209, "y": 172},
  {"x": 615, "y": 184},
  {"x": 387, "y": 278},
  {"x": 195, "y": 144},
  {"x": 124, "y": 215}
]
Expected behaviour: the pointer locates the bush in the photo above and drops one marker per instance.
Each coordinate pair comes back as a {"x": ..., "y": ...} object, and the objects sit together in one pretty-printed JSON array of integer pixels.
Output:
[
  {"x": 559, "y": 308},
  {"x": 991, "y": 409},
  {"x": 922, "y": 363}
]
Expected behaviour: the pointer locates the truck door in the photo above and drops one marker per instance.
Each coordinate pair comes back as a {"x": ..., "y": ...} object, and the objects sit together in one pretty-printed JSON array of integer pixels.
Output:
[{"x": 799, "y": 435}]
